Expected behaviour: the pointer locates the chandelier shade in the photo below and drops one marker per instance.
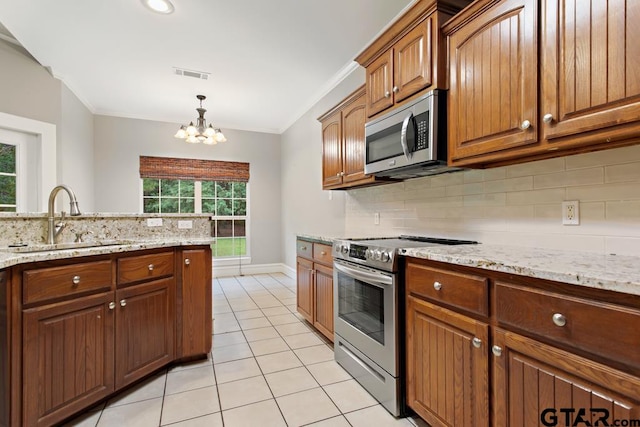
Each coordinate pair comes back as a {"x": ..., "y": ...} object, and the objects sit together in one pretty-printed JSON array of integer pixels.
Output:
[{"x": 200, "y": 132}]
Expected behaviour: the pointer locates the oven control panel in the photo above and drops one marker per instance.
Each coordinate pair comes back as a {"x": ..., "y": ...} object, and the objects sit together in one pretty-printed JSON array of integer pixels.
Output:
[{"x": 373, "y": 256}]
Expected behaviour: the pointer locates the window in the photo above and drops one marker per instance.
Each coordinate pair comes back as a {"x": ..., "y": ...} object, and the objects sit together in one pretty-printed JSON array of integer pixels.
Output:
[
  {"x": 201, "y": 186},
  {"x": 8, "y": 178}
]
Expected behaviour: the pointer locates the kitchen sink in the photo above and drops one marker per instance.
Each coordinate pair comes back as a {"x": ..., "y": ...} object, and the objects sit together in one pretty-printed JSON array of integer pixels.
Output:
[{"x": 63, "y": 246}]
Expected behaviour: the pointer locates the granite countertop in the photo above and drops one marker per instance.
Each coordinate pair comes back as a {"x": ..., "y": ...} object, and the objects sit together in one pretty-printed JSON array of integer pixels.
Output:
[
  {"x": 8, "y": 258},
  {"x": 611, "y": 272}
]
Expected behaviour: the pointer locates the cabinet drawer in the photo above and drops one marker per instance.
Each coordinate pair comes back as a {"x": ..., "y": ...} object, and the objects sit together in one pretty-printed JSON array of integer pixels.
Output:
[
  {"x": 465, "y": 291},
  {"x": 304, "y": 249},
  {"x": 145, "y": 267},
  {"x": 43, "y": 284},
  {"x": 322, "y": 253},
  {"x": 599, "y": 328}
]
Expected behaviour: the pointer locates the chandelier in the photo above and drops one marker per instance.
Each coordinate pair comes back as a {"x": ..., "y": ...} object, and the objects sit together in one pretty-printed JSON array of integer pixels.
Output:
[{"x": 200, "y": 132}]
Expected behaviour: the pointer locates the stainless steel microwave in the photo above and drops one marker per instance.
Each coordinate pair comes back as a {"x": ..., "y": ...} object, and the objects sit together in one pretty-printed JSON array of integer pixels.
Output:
[{"x": 409, "y": 141}]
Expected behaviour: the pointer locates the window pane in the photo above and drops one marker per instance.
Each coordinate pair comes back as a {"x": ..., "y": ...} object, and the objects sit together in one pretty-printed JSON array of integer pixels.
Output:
[
  {"x": 208, "y": 189},
  {"x": 239, "y": 228},
  {"x": 7, "y": 190},
  {"x": 7, "y": 209},
  {"x": 223, "y": 190},
  {"x": 186, "y": 189},
  {"x": 209, "y": 206},
  {"x": 7, "y": 158},
  {"x": 151, "y": 206},
  {"x": 187, "y": 206},
  {"x": 239, "y": 207},
  {"x": 239, "y": 190},
  {"x": 150, "y": 187},
  {"x": 230, "y": 246},
  {"x": 223, "y": 207},
  {"x": 224, "y": 228},
  {"x": 170, "y": 187},
  {"x": 169, "y": 205}
]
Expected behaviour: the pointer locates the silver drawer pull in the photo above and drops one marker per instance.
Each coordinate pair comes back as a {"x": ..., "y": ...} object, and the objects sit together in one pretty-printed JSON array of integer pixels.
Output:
[
  {"x": 123, "y": 302},
  {"x": 303, "y": 248},
  {"x": 477, "y": 342},
  {"x": 497, "y": 351},
  {"x": 437, "y": 286},
  {"x": 76, "y": 280},
  {"x": 187, "y": 261},
  {"x": 525, "y": 125},
  {"x": 323, "y": 253},
  {"x": 559, "y": 319},
  {"x": 112, "y": 305},
  {"x": 150, "y": 267}
]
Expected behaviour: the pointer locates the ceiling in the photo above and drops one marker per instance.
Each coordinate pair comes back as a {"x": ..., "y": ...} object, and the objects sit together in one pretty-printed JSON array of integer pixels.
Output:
[{"x": 269, "y": 60}]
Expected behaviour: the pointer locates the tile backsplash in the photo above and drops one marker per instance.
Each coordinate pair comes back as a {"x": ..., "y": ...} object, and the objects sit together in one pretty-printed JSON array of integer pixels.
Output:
[{"x": 516, "y": 205}]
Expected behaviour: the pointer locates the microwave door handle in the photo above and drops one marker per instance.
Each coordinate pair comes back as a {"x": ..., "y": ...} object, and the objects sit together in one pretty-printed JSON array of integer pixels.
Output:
[{"x": 403, "y": 137}]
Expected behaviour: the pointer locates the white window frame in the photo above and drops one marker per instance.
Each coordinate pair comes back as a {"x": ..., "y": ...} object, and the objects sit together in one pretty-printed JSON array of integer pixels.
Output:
[{"x": 21, "y": 170}]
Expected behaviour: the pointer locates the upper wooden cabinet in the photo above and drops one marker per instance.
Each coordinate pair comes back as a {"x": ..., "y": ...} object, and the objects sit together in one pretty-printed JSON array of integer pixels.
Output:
[
  {"x": 343, "y": 150},
  {"x": 409, "y": 56},
  {"x": 531, "y": 79}
]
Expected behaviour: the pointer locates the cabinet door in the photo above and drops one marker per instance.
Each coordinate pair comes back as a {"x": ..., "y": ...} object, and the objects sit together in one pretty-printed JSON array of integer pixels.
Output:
[
  {"x": 494, "y": 82},
  {"x": 353, "y": 120},
  {"x": 195, "y": 317},
  {"x": 379, "y": 82},
  {"x": 324, "y": 300},
  {"x": 413, "y": 61},
  {"x": 447, "y": 366},
  {"x": 145, "y": 327},
  {"x": 533, "y": 383},
  {"x": 590, "y": 69},
  {"x": 68, "y": 358},
  {"x": 332, "y": 151},
  {"x": 304, "y": 294}
]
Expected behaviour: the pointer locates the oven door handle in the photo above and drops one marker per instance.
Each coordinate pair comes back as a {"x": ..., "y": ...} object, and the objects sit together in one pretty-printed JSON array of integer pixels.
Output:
[{"x": 372, "y": 278}]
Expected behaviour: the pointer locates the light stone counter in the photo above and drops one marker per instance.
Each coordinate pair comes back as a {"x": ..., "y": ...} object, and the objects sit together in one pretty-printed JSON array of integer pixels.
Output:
[
  {"x": 611, "y": 272},
  {"x": 7, "y": 259}
]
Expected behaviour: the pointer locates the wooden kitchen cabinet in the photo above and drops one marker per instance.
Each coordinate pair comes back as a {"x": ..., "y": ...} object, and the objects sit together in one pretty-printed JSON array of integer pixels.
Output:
[
  {"x": 584, "y": 96},
  {"x": 314, "y": 297},
  {"x": 77, "y": 331},
  {"x": 409, "y": 57},
  {"x": 68, "y": 357},
  {"x": 343, "y": 144},
  {"x": 446, "y": 355}
]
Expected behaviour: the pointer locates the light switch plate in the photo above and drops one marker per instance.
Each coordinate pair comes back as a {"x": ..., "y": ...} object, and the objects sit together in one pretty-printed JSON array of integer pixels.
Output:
[
  {"x": 183, "y": 225},
  {"x": 154, "y": 222}
]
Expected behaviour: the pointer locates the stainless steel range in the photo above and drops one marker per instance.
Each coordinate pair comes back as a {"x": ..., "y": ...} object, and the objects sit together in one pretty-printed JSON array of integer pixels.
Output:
[{"x": 369, "y": 310}]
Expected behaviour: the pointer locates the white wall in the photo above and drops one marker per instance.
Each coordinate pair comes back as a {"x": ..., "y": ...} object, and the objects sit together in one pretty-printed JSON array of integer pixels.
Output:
[
  {"x": 306, "y": 208},
  {"x": 119, "y": 143}
]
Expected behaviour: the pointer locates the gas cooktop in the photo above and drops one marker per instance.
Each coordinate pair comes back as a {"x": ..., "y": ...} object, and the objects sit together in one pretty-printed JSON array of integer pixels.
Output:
[{"x": 382, "y": 253}]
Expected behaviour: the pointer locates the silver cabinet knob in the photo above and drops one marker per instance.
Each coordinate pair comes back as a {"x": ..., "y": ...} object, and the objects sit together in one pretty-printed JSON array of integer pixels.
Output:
[
  {"x": 437, "y": 286},
  {"x": 303, "y": 248},
  {"x": 559, "y": 319},
  {"x": 496, "y": 350},
  {"x": 112, "y": 305},
  {"x": 395, "y": 89},
  {"x": 338, "y": 174},
  {"x": 187, "y": 261},
  {"x": 150, "y": 267},
  {"x": 547, "y": 118},
  {"x": 477, "y": 342},
  {"x": 323, "y": 253},
  {"x": 123, "y": 302},
  {"x": 76, "y": 280},
  {"x": 387, "y": 94},
  {"x": 525, "y": 125}
]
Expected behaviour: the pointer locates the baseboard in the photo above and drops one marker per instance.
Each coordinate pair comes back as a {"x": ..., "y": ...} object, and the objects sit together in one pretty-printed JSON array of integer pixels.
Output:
[{"x": 235, "y": 270}]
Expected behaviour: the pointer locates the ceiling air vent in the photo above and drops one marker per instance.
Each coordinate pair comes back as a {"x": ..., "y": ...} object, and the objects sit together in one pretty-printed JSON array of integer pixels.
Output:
[{"x": 191, "y": 73}]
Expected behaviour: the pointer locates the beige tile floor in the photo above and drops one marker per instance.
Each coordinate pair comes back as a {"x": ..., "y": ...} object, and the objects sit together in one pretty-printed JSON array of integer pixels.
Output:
[{"x": 267, "y": 368}]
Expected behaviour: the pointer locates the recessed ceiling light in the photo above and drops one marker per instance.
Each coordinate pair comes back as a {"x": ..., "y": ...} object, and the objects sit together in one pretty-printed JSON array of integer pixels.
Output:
[{"x": 160, "y": 6}]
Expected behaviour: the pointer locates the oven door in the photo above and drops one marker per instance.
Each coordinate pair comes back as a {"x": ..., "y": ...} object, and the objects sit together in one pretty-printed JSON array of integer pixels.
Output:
[{"x": 365, "y": 312}]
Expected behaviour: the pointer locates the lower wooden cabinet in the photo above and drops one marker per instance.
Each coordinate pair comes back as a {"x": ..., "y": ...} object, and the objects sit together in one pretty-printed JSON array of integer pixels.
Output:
[
  {"x": 68, "y": 358},
  {"x": 97, "y": 331},
  {"x": 537, "y": 384},
  {"x": 314, "y": 299},
  {"x": 447, "y": 366}
]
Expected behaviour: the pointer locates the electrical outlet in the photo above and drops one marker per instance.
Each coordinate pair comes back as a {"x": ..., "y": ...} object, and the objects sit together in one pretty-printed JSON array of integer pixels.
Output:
[
  {"x": 183, "y": 225},
  {"x": 376, "y": 218},
  {"x": 571, "y": 213},
  {"x": 154, "y": 222}
]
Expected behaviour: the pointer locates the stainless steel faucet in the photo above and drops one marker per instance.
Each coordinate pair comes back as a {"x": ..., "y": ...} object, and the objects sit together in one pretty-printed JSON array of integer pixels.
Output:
[{"x": 55, "y": 229}]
